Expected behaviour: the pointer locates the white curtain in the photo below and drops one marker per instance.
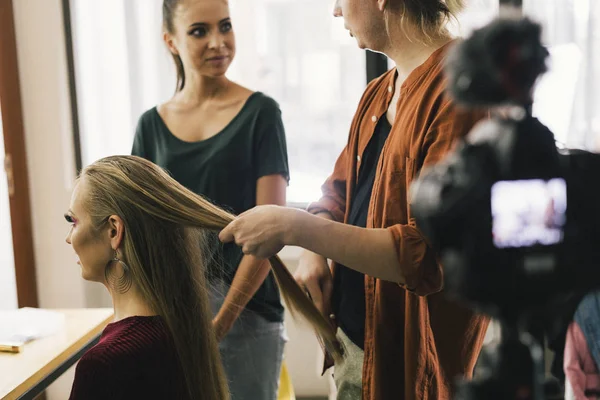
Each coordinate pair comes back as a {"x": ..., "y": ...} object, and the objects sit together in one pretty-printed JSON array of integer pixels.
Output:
[
  {"x": 121, "y": 69},
  {"x": 295, "y": 51}
]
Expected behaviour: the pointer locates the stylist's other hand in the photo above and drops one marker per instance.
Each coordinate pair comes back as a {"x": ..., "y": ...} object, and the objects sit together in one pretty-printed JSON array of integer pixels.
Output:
[
  {"x": 314, "y": 276},
  {"x": 261, "y": 231}
]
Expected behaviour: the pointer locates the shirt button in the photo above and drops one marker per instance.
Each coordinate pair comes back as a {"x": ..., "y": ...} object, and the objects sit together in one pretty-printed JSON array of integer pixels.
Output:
[
  {"x": 374, "y": 118},
  {"x": 390, "y": 89}
]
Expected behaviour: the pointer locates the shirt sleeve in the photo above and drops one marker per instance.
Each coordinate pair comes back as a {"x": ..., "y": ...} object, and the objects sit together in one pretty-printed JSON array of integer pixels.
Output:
[
  {"x": 138, "y": 148},
  {"x": 271, "y": 148},
  {"x": 421, "y": 267}
]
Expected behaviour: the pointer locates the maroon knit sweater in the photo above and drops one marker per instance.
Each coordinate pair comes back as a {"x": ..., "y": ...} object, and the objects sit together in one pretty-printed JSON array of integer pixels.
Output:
[{"x": 135, "y": 359}]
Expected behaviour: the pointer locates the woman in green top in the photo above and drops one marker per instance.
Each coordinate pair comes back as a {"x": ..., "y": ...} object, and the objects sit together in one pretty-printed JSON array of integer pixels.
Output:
[{"x": 226, "y": 143}]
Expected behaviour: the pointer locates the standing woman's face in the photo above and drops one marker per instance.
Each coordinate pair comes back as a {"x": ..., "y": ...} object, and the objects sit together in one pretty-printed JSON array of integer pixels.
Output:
[{"x": 203, "y": 36}]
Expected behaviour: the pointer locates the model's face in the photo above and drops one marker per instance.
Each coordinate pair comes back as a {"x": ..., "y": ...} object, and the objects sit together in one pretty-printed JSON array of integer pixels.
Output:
[{"x": 92, "y": 246}]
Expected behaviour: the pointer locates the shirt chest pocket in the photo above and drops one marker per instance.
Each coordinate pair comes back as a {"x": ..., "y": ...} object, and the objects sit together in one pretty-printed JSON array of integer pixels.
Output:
[{"x": 393, "y": 199}]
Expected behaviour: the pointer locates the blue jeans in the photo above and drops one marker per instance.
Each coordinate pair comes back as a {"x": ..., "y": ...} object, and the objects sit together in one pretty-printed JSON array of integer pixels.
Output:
[{"x": 252, "y": 352}]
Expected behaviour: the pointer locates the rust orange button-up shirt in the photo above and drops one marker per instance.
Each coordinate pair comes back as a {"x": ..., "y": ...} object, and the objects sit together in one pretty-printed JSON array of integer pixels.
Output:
[{"x": 416, "y": 340}]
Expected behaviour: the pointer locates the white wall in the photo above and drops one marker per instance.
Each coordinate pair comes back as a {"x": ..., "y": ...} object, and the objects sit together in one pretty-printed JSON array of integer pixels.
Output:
[
  {"x": 46, "y": 109},
  {"x": 49, "y": 144}
]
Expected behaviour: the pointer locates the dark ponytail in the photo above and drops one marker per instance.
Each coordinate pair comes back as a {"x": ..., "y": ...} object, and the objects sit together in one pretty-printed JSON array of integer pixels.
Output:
[{"x": 168, "y": 8}]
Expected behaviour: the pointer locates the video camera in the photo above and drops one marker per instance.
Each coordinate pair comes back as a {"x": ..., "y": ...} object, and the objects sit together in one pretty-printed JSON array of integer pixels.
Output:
[{"x": 513, "y": 219}]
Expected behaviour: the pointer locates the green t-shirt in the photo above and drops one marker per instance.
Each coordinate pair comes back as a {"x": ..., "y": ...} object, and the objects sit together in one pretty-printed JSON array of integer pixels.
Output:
[{"x": 224, "y": 169}]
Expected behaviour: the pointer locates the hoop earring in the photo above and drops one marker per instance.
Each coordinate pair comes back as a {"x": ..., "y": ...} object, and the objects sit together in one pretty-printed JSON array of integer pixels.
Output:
[{"x": 124, "y": 282}]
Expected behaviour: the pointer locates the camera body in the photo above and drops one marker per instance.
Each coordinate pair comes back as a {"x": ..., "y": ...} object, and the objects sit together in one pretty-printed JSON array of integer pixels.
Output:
[{"x": 513, "y": 219}]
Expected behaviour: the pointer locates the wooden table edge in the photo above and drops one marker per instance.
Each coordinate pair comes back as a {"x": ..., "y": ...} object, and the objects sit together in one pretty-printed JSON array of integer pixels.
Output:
[{"x": 85, "y": 342}]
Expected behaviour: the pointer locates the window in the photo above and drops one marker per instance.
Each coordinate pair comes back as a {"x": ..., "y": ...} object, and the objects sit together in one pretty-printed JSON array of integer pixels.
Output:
[
  {"x": 121, "y": 69},
  {"x": 476, "y": 14},
  {"x": 567, "y": 98},
  {"x": 293, "y": 50},
  {"x": 296, "y": 52}
]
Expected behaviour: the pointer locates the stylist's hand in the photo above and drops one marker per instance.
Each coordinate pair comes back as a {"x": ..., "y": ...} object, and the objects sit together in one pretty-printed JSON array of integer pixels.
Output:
[
  {"x": 314, "y": 276},
  {"x": 261, "y": 231}
]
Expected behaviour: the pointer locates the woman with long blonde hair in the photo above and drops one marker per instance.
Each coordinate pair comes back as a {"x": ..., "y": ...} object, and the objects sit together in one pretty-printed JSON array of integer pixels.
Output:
[{"x": 147, "y": 239}]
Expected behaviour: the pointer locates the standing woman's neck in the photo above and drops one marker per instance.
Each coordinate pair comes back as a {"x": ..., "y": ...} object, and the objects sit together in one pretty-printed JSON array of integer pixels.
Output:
[{"x": 199, "y": 88}]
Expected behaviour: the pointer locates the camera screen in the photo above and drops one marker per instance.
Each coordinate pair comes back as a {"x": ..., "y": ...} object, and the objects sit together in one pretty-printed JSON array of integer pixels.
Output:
[{"x": 528, "y": 212}]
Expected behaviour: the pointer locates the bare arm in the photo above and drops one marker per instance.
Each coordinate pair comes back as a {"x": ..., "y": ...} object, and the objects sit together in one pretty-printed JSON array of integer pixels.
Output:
[
  {"x": 263, "y": 231},
  {"x": 370, "y": 251},
  {"x": 313, "y": 275},
  {"x": 252, "y": 271}
]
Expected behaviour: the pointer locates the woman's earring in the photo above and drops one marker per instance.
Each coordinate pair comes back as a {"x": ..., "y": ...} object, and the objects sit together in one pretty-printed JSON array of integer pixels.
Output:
[
  {"x": 118, "y": 260},
  {"x": 123, "y": 283}
]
